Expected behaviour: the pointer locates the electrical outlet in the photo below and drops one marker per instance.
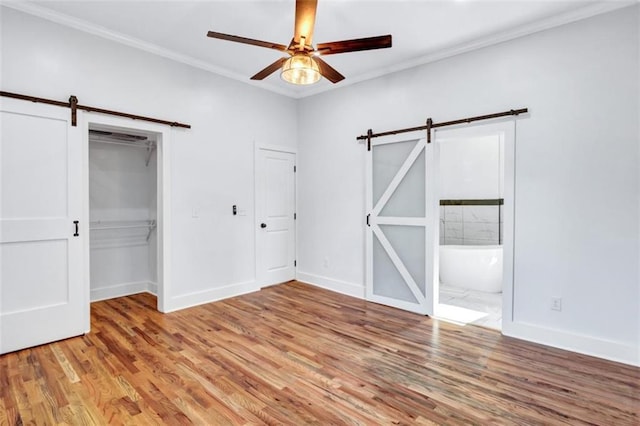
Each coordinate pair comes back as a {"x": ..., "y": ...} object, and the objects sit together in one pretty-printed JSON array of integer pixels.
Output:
[
  {"x": 556, "y": 304},
  {"x": 326, "y": 262}
]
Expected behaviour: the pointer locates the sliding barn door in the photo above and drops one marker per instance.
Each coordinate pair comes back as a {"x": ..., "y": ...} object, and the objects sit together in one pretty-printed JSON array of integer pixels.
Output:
[
  {"x": 400, "y": 234},
  {"x": 41, "y": 261}
]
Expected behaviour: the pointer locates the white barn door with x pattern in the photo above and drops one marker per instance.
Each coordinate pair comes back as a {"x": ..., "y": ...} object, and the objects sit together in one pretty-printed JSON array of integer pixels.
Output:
[{"x": 400, "y": 256}]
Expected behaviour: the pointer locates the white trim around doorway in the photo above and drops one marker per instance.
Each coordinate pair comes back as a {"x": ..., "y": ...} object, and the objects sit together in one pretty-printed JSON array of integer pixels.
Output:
[
  {"x": 507, "y": 131},
  {"x": 92, "y": 120}
]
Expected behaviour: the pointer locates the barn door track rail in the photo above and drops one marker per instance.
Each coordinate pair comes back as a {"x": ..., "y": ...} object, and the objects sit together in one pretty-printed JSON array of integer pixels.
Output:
[
  {"x": 431, "y": 125},
  {"x": 75, "y": 106}
]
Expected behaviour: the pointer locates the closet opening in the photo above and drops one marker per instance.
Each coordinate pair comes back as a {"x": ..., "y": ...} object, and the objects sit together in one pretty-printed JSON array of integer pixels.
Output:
[{"x": 124, "y": 212}]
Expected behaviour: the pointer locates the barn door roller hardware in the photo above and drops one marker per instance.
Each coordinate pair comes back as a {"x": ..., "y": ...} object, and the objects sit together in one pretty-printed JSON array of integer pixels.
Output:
[
  {"x": 74, "y": 106},
  {"x": 431, "y": 125}
]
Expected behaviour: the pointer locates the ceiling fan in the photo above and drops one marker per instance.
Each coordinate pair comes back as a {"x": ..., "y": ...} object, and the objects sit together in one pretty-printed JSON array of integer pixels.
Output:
[{"x": 303, "y": 66}]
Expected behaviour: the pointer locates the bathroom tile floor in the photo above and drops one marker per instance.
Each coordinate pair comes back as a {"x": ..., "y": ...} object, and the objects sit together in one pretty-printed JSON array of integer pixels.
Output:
[{"x": 489, "y": 303}]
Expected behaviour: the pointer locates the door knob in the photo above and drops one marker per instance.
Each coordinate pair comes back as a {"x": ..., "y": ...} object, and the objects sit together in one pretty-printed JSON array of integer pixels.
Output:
[{"x": 263, "y": 225}]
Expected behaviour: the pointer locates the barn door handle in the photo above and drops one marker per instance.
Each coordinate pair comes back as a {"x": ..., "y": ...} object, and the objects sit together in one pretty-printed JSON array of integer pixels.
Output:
[
  {"x": 263, "y": 225},
  {"x": 75, "y": 222}
]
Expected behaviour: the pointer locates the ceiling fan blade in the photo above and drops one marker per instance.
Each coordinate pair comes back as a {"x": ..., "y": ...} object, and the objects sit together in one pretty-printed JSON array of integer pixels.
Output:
[
  {"x": 328, "y": 71},
  {"x": 269, "y": 70},
  {"x": 245, "y": 40},
  {"x": 368, "y": 43},
  {"x": 305, "y": 21}
]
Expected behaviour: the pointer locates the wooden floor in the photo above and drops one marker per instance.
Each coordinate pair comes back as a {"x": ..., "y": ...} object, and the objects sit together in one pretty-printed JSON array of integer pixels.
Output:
[{"x": 295, "y": 354}]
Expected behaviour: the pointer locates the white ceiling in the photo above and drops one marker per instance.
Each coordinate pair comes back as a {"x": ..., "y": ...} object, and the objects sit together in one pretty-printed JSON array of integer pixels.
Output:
[{"x": 422, "y": 31}]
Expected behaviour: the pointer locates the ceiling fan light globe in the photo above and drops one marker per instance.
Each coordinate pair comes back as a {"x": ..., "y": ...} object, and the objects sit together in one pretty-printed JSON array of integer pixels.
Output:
[{"x": 301, "y": 70}]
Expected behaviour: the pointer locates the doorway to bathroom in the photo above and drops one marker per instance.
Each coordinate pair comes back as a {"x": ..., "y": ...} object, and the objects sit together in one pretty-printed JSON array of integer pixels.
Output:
[
  {"x": 475, "y": 227},
  {"x": 403, "y": 227}
]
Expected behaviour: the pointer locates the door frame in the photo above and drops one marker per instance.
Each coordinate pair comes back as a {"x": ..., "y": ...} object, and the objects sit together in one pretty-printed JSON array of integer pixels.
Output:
[
  {"x": 259, "y": 280},
  {"x": 506, "y": 128},
  {"x": 163, "y": 188}
]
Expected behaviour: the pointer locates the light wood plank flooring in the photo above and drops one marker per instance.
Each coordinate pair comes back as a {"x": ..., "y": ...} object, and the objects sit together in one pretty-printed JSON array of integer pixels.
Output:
[{"x": 294, "y": 354}]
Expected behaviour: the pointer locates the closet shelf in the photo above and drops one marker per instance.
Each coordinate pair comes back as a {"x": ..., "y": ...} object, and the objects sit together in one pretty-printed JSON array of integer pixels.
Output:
[
  {"x": 150, "y": 146},
  {"x": 101, "y": 225}
]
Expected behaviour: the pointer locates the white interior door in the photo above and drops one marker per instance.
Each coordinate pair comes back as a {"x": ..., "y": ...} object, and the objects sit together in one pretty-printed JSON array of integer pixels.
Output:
[
  {"x": 401, "y": 226},
  {"x": 275, "y": 210},
  {"x": 42, "y": 296}
]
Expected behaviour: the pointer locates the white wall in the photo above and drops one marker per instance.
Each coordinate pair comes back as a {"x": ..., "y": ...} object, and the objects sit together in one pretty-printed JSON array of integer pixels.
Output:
[
  {"x": 471, "y": 168},
  {"x": 576, "y": 189},
  {"x": 153, "y": 215},
  {"x": 212, "y": 163},
  {"x": 577, "y": 161}
]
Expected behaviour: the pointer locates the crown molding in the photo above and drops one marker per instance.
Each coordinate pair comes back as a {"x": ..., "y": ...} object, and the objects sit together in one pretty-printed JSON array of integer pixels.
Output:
[
  {"x": 97, "y": 30},
  {"x": 524, "y": 30}
]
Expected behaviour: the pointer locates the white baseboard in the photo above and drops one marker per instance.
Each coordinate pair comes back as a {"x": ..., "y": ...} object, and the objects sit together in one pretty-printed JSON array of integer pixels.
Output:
[
  {"x": 207, "y": 296},
  {"x": 350, "y": 289},
  {"x": 119, "y": 290},
  {"x": 587, "y": 345}
]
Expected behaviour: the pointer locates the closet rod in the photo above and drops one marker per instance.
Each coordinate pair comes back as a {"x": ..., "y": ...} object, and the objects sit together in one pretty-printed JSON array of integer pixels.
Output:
[
  {"x": 133, "y": 145},
  {"x": 98, "y": 224},
  {"x": 99, "y": 228},
  {"x": 151, "y": 225},
  {"x": 73, "y": 104},
  {"x": 431, "y": 125}
]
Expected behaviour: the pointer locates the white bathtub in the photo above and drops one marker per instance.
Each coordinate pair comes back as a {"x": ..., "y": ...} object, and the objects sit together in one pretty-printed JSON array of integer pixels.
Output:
[{"x": 472, "y": 267}]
